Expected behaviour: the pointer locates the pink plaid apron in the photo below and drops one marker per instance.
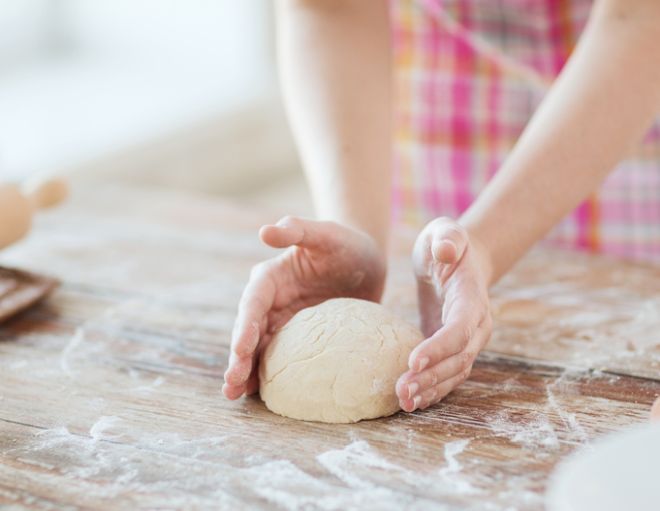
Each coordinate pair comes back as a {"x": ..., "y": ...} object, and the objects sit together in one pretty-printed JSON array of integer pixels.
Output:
[{"x": 469, "y": 75}]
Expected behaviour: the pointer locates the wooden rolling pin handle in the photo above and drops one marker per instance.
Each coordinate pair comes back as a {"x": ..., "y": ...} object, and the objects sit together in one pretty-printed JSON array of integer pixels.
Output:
[
  {"x": 15, "y": 214},
  {"x": 45, "y": 193},
  {"x": 17, "y": 206}
]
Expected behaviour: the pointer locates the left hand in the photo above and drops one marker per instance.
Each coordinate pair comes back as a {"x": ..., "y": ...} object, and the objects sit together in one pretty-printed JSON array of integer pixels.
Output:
[{"x": 453, "y": 274}]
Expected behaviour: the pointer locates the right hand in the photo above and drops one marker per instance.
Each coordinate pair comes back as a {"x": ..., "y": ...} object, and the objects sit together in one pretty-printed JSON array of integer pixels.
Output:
[{"x": 322, "y": 260}]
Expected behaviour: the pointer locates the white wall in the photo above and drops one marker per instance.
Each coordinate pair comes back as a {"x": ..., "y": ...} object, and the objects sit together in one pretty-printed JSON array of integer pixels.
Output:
[
  {"x": 82, "y": 80},
  {"x": 23, "y": 31}
]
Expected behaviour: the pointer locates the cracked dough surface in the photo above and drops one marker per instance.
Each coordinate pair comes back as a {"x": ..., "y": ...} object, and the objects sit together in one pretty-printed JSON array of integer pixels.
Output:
[{"x": 337, "y": 362}]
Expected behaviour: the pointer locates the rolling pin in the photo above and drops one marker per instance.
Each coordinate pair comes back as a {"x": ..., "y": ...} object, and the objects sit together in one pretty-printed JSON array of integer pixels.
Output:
[{"x": 19, "y": 204}]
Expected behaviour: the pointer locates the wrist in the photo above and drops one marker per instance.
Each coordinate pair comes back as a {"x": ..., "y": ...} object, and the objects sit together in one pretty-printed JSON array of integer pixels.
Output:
[
  {"x": 483, "y": 255},
  {"x": 370, "y": 217},
  {"x": 378, "y": 234},
  {"x": 373, "y": 243},
  {"x": 372, "y": 259}
]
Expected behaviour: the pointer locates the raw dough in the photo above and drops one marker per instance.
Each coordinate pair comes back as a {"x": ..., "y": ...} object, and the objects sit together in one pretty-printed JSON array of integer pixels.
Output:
[{"x": 337, "y": 362}]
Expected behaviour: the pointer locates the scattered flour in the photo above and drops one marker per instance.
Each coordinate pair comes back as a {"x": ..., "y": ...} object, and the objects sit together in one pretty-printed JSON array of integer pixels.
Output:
[
  {"x": 452, "y": 449},
  {"x": 284, "y": 484},
  {"x": 360, "y": 466},
  {"x": 531, "y": 431},
  {"x": 74, "y": 342},
  {"x": 151, "y": 387},
  {"x": 451, "y": 473},
  {"x": 18, "y": 365},
  {"x": 217, "y": 472},
  {"x": 96, "y": 432},
  {"x": 569, "y": 419},
  {"x": 345, "y": 464}
]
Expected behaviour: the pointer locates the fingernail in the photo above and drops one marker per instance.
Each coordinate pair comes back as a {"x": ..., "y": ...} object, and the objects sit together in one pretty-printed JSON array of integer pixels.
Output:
[
  {"x": 423, "y": 362},
  {"x": 450, "y": 243},
  {"x": 437, "y": 247},
  {"x": 412, "y": 389},
  {"x": 416, "y": 401}
]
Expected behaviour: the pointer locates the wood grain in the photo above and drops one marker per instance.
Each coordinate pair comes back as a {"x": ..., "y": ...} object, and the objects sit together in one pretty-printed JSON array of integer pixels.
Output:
[{"x": 110, "y": 391}]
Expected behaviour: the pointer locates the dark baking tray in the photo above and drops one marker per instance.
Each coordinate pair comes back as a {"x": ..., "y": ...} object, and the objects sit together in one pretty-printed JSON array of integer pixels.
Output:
[{"x": 20, "y": 290}]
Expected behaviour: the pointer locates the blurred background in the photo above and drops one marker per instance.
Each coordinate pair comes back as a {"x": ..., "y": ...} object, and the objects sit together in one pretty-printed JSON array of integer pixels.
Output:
[{"x": 159, "y": 93}]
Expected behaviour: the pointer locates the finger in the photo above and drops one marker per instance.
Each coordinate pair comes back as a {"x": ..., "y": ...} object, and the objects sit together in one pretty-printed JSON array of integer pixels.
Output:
[
  {"x": 233, "y": 391},
  {"x": 453, "y": 337},
  {"x": 238, "y": 370},
  {"x": 281, "y": 236},
  {"x": 460, "y": 318},
  {"x": 410, "y": 384},
  {"x": 235, "y": 376},
  {"x": 249, "y": 327},
  {"x": 434, "y": 394},
  {"x": 440, "y": 391},
  {"x": 440, "y": 245},
  {"x": 253, "y": 309},
  {"x": 449, "y": 241},
  {"x": 241, "y": 376},
  {"x": 292, "y": 230}
]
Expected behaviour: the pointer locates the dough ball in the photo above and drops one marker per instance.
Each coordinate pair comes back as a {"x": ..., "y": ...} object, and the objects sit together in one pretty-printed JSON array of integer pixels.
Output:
[{"x": 337, "y": 362}]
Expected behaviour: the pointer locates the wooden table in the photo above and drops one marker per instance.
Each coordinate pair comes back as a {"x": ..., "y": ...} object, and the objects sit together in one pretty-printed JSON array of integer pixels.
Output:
[{"x": 110, "y": 391}]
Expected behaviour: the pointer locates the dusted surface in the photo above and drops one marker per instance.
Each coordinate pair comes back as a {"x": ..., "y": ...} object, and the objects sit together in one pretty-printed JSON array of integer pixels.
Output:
[{"x": 110, "y": 390}]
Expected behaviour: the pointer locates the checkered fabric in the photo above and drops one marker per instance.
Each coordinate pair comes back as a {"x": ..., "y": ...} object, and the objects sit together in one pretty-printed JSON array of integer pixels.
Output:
[{"x": 469, "y": 75}]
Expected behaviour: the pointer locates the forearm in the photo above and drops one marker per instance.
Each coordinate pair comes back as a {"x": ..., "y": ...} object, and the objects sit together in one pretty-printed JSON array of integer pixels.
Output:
[
  {"x": 335, "y": 71},
  {"x": 599, "y": 108}
]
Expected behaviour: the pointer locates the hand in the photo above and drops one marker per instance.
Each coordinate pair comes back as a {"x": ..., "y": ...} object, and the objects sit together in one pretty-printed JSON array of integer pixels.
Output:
[
  {"x": 322, "y": 260},
  {"x": 453, "y": 273}
]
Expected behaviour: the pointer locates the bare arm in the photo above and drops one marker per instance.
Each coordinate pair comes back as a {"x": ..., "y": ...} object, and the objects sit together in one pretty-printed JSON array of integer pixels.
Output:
[
  {"x": 600, "y": 107},
  {"x": 336, "y": 76},
  {"x": 335, "y": 70}
]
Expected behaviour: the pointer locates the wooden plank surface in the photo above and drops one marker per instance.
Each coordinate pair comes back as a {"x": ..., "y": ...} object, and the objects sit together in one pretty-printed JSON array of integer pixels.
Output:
[{"x": 110, "y": 391}]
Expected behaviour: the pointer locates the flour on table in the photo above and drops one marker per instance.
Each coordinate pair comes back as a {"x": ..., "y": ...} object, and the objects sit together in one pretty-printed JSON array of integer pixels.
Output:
[
  {"x": 532, "y": 430},
  {"x": 98, "y": 429},
  {"x": 569, "y": 419},
  {"x": 74, "y": 342}
]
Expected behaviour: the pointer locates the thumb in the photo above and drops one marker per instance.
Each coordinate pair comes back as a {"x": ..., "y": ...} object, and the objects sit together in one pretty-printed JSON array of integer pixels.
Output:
[
  {"x": 442, "y": 241},
  {"x": 449, "y": 241},
  {"x": 291, "y": 230}
]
